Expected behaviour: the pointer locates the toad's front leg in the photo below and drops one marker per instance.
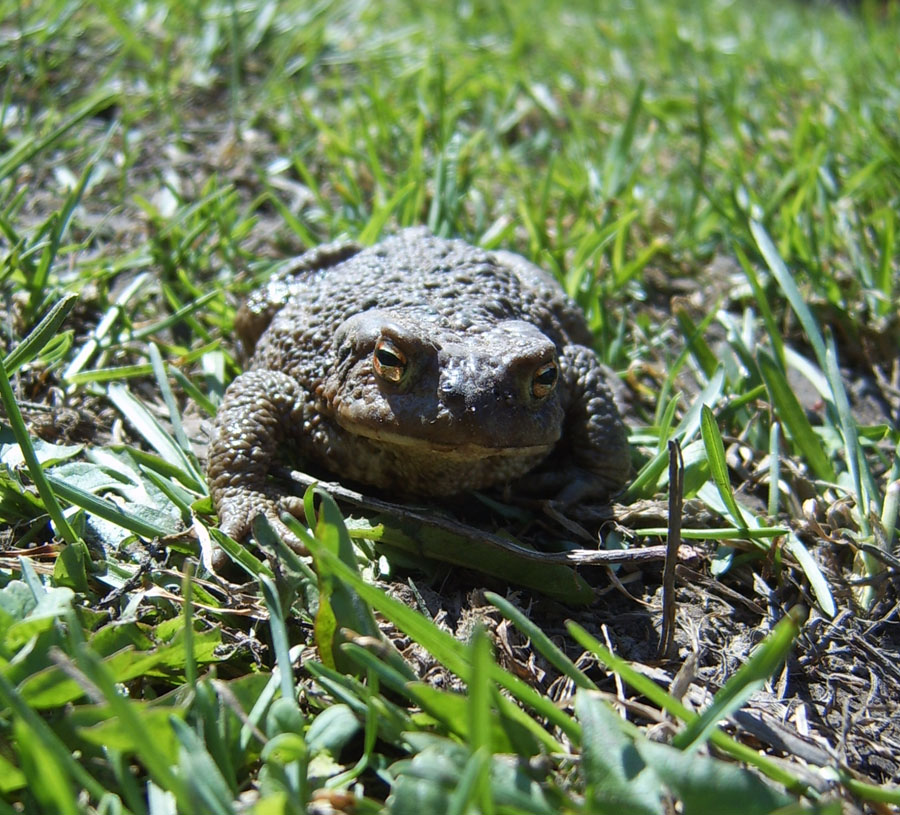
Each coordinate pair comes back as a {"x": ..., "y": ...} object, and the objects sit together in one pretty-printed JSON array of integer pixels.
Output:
[
  {"x": 596, "y": 436},
  {"x": 259, "y": 413}
]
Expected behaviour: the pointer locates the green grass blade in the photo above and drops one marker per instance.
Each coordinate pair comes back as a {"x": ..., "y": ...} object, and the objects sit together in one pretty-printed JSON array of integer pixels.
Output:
[
  {"x": 792, "y": 416},
  {"x": 37, "y": 725},
  {"x": 34, "y": 467},
  {"x": 762, "y": 303},
  {"x": 158, "y": 764},
  {"x": 445, "y": 648},
  {"x": 149, "y": 427},
  {"x": 647, "y": 687},
  {"x": 756, "y": 670},
  {"x": 645, "y": 484},
  {"x": 113, "y": 313},
  {"x": 175, "y": 317},
  {"x": 612, "y": 771},
  {"x": 109, "y": 511},
  {"x": 29, "y": 147},
  {"x": 859, "y": 473},
  {"x": 817, "y": 581},
  {"x": 40, "y": 335},
  {"x": 789, "y": 287},
  {"x": 715, "y": 455},
  {"x": 38, "y": 281},
  {"x": 540, "y": 641},
  {"x": 159, "y": 371},
  {"x": 616, "y": 159},
  {"x": 774, "y": 469}
]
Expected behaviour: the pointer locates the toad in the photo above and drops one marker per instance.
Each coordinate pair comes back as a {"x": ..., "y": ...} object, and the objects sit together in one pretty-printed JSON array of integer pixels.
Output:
[{"x": 423, "y": 366}]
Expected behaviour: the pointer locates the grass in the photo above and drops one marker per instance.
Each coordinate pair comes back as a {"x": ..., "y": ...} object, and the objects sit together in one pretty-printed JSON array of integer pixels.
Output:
[{"x": 715, "y": 183}]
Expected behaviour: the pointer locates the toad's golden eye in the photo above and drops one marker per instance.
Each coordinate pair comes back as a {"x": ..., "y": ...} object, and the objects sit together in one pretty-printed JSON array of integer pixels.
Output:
[
  {"x": 389, "y": 361},
  {"x": 544, "y": 380}
]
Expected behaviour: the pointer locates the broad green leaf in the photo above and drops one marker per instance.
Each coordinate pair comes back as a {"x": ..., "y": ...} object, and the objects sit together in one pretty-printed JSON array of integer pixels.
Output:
[
  {"x": 452, "y": 710},
  {"x": 705, "y": 785},
  {"x": 426, "y": 782},
  {"x": 392, "y": 720},
  {"x": 285, "y": 748},
  {"x": 507, "y": 560},
  {"x": 111, "y": 732},
  {"x": 71, "y": 567},
  {"x": 47, "y": 778},
  {"x": 37, "y": 739},
  {"x": 647, "y": 687},
  {"x": 17, "y": 600},
  {"x": 616, "y": 777},
  {"x": 200, "y": 772},
  {"x": 11, "y": 777},
  {"x": 52, "y": 687},
  {"x": 332, "y": 729},
  {"x": 51, "y": 606},
  {"x": 148, "y": 522},
  {"x": 340, "y": 607}
]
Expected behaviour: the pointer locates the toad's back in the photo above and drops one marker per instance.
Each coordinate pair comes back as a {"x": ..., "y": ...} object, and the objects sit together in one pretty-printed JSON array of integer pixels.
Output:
[{"x": 446, "y": 283}]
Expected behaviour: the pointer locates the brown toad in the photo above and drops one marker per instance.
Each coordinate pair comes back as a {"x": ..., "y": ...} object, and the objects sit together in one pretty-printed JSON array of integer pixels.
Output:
[{"x": 421, "y": 365}]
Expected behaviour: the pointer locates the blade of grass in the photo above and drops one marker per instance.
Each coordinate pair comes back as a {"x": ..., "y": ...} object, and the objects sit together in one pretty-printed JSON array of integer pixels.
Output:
[
  {"x": 98, "y": 675},
  {"x": 107, "y": 510},
  {"x": 539, "y": 640},
  {"x": 38, "y": 281},
  {"x": 150, "y": 429},
  {"x": 29, "y": 147},
  {"x": 617, "y": 154},
  {"x": 756, "y": 670},
  {"x": 162, "y": 381},
  {"x": 647, "y": 687},
  {"x": 792, "y": 416},
  {"x": 774, "y": 469},
  {"x": 648, "y": 478},
  {"x": 859, "y": 472},
  {"x": 14, "y": 703},
  {"x": 789, "y": 288},
  {"x": 817, "y": 581},
  {"x": 715, "y": 455},
  {"x": 176, "y": 316},
  {"x": 35, "y": 470},
  {"x": 104, "y": 326},
  {"x": 444, "y": 647},
  {"x": 40, "y": 335}
]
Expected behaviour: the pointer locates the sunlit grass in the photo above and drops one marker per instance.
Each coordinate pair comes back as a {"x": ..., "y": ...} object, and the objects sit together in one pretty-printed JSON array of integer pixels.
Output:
[{"x": 717, "y": 185}]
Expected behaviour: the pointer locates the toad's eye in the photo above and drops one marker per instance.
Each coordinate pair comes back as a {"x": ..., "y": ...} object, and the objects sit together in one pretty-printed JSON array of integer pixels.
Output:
[
  {"x": 389, "y": 361},
  {"x": 544, "y": 380}
]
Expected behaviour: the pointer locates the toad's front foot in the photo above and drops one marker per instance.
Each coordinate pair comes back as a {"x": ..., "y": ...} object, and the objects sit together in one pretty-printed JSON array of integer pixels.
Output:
[
  {"x": 251, "y": 426},
  {"x": 239, "y": 507}
]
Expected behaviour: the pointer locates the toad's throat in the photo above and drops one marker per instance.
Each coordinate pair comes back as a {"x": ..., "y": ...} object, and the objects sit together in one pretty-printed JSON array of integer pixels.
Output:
[{"x": 458, "y": 449}]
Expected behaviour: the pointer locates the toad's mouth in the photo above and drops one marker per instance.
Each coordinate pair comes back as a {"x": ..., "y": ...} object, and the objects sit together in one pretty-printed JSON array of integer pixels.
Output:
[{"x": 456, "y": 449}]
